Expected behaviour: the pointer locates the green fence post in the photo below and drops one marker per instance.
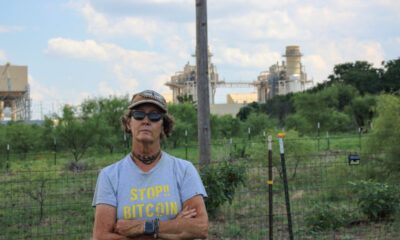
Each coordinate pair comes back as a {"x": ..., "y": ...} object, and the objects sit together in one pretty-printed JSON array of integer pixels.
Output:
[
  {"x": 55, "y": 151},
  {"x": 186, "y": 144},
  {"x": 270, "y": 182},
  {"x": 318, "y": 136},
  {"x": 8, "y": 156},
  {"x": 285, "y": 183},
  {"x": 327, "y": 138},
  {"x": 359, "y": 137},
  {"x": 230, "y": 149}
]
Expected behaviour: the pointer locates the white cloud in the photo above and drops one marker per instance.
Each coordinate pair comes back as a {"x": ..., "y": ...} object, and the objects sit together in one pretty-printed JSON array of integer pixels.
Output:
[
  {"x": 3, "y": 56},
  {"x": 322, "y": 17},
  {"x": 123, "y": 76},
  {"x": 390, "y": 4},
  {"x": 320, "y": 68},
  {"x": 4, "y": 29},
  {"x": 328, "y": 54},
  {"x": 160, "y": 81},
  {"x": 104, "y": 89},
  {"x": 39, "y": 92},
  {"x": 246, "y": 36},
  {"x": 130, "y": 68},
  {"x": 105, "y": 52},
  {"x": 256, "y": 26},
  {"x": 260, "y": 56},
  {"x": 87, "y": 49},
  {"x": 101, "y": 25}
]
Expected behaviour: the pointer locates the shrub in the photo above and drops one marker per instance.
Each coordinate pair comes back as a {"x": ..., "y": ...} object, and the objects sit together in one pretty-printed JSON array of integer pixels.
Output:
[
  {"x": 378, "y": 201},
  {"x": 77, "y": 166},
  {"x": 326, "y": 217},
  {"x": 385, "y": 138},
  {"x": 221, "y": 182}
]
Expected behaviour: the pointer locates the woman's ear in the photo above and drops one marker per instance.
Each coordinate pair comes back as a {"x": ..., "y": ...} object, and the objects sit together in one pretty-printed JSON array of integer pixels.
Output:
[{"x": 128, "y": 122}]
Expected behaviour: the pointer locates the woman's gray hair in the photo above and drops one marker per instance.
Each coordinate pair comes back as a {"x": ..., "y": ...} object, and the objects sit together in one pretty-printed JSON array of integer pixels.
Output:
[{"x": 168, "y": 124}]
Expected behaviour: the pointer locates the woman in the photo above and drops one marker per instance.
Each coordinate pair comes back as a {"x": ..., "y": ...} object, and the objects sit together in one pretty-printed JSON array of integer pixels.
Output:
[{"x": 149, "y": 194}]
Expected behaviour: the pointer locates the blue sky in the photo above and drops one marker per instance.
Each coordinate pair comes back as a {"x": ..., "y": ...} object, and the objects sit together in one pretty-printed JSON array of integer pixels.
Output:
[{"x": 80, "y": 48}]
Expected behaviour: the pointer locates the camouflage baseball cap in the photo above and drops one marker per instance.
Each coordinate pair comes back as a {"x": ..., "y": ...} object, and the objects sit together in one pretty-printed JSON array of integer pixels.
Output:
[{"x": 149, "y": 96}]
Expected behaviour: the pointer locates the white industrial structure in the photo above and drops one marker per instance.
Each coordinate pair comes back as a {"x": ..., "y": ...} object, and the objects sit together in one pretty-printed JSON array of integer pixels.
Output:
[
  {"x": 185, "y": 82},
  {"x": 278, "y": 80},
  {"x": 285, "y": 78},
  {"x": 15, "y": 103}
]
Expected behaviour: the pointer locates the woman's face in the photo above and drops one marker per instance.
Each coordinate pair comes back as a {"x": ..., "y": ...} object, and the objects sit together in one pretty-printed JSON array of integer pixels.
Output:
[{"x": 146, "y": 131}]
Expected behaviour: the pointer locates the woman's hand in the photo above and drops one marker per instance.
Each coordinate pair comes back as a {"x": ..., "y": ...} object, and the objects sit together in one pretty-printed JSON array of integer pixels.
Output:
[{"x": 129, "y": 228}]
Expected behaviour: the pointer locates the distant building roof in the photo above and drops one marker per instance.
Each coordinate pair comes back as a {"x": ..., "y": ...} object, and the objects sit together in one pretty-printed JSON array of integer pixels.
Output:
[{"x": 241, "y": 98}]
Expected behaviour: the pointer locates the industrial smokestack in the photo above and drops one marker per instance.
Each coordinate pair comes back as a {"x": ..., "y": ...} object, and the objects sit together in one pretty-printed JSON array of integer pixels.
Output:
[{"x": 293, "y": 64}]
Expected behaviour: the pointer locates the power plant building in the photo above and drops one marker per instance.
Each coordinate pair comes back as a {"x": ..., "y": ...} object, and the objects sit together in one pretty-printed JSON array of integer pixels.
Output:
[
  {"x": 279, "y": 79},
  {"x": 283, "y": 78},
  {"x": 241, "y": 98},
  {"x": 185, "y": 82},
  {"x": 15, "y": 101}
]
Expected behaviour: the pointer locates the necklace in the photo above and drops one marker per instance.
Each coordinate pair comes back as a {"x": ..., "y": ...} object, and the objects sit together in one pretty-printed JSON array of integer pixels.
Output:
[{"x": 146, "y": 159}]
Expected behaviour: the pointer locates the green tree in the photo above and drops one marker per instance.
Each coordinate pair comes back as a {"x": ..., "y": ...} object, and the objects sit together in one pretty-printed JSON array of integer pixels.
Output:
[
  {"x": 312, "y": 108},
  {"x": 48, "y": 133},
  {"x": 326, "y": 107},
  {"x": 391, "y": 76},
  {"x": 178, "y": 135},
  {"x": 257, "y": 122},
  {"x": 186, "y": 98},
  {"x": 185, "y": 117},
  {"x": 108, "y": 112},
  {"x": 21, "y": 137},
  {"x": 385, "y": 138},
  {"x": 77, "y": 133},
  {"x": 228, "y": 126},
  {"x": 360, "y": 74},
  {"x": 363, "y": 108},
  {"x": 245, "y": 111},
  {"x": 280, "y": 106}
]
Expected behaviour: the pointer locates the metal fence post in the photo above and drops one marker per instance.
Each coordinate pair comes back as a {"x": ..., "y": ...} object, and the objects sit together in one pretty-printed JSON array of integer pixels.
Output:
[
  {"x": 126, "y": 140},
  {"x": 186, "y": 144},
  {"x": 285, "y": 183},
  {"x": 264, "y": 137},
  {"x": 359, "y": 137},
  {"x": 55, "y": 151},
  {"x": 8, "y": 156},
  {"x": 230, "y": 149},
  {"x": 318, "y": 136},
  {"x": 270, "y": 182},
  {"x": 327, "y": 138}
]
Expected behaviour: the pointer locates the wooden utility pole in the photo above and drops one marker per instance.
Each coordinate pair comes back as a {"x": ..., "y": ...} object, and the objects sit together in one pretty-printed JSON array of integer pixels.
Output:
[{"x": 203, "y": 94}]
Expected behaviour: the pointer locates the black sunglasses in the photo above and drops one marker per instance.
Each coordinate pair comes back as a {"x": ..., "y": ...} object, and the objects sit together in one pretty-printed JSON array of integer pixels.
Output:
[{"x": 154, "y": 117}]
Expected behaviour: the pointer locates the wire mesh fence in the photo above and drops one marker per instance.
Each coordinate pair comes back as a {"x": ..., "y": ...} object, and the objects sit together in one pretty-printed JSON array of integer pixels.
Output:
[
  {"x": 323, "y": 200},
  {"x": 55, "y": 203}
]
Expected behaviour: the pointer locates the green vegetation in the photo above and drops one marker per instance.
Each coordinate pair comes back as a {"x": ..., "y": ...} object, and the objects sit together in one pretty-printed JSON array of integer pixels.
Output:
[
  {"x": 221, "y": 181},
  {"x": 326, "y": 217},
  {"x": 48, "y": 175},
  {"x": 379, "y": 201}
]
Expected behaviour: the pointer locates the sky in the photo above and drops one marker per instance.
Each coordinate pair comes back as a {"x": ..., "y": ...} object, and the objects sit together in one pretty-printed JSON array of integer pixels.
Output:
[{"x": 79, "y": 49}]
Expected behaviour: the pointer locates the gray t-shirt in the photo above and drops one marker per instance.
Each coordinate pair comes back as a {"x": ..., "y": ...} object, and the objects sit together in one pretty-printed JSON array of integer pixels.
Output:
[{"x": 147, "y": 195}]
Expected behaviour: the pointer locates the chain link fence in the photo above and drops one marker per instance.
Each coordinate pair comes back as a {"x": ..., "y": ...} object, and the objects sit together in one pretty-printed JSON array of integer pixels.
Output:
[{"x": 324, "y": 194}]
